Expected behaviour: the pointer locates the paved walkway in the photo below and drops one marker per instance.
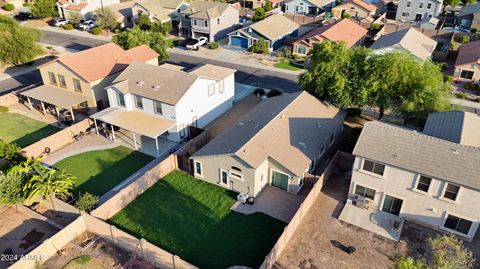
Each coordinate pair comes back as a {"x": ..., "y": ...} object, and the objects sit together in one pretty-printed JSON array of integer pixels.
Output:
[{"x": 88, "y": 143}]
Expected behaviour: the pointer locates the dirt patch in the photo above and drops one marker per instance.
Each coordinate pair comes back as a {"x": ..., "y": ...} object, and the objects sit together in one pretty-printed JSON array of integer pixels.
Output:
[{"x": 31, "y": 238}]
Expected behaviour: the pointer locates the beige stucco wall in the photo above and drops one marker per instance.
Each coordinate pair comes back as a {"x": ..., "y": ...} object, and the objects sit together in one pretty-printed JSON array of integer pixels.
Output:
[
  {"x": 469, "y": 67},
  {"x": 429, "y": 208},
  {"x": 352, "y": 9},
  {"x": 214, "y": 30}
]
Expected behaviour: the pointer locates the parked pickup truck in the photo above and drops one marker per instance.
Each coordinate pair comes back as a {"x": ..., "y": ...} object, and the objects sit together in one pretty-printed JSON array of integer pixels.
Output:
[
  {"x": 87, "y": 25},
  {"x": 195, "y": 44}
]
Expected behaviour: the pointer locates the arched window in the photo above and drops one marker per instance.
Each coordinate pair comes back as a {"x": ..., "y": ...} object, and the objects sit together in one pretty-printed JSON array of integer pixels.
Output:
[{"x": 236, "y": 168}]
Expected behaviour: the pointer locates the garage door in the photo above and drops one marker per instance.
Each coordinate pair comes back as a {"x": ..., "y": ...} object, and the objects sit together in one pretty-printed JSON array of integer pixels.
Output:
[
  {"x": 239, "y": 41},
  {"x": 279, "y": 180}
]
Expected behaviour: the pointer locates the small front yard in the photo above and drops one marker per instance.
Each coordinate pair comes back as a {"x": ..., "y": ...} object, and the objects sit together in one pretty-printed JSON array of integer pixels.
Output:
[
  {"x": 192, "y": 219},
  {"x": 99, "y": 171},
  {"x": 287, "y": 64},
  {"x": 22, "y": 130}
]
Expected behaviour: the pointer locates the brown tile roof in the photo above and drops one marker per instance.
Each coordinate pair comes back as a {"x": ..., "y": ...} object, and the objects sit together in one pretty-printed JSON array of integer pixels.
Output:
[
  {"x": 205, "y": 9},
  {"x": 104, "y": 60},
  {"x": 365, "y": 5},
  {"x": 76, "y": 7},
  {"x": 212, "y": 71},
  {"x": 469, "y": 53},
  {"x": 343, "y": 30},
  {"x": 275, "y": 27}
]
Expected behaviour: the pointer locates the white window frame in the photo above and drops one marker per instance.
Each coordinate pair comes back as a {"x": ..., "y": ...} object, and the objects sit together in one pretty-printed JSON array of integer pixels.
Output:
[
  {"x": 235, "y": 174},
  {"x": 405, "y": 16},
  {"x": 303, "y": 47},
  {"x": 220, "y": 181},
  {"x": 382, "y": 201},
  {"x": 445, "y": 216},
  {"x": 221, "y": 86},
  {"x": 118, "y": 94},
  {"x": 409, "y": 4},
  {"x": 181, "y": 130},
  {"x": 195, "y": 22},
  {"x": 211, "y": 89},
  {"x": 362, "y": 185},
  {"x": 155, "y": 108},
  {"x": 195, "y": 162},
  {"x": 417, "y": 181},
  {"x": 371, "y": 173},
  {"x": 429, "y": 4},
  {"x": 138, "y": 98},
  {"x": 421, "y": 4},
  {"x": 444, "y": 189},
  {"x": 281, "y": 172}
]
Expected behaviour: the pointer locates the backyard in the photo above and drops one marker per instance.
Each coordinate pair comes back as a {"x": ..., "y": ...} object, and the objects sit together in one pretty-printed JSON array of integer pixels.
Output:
[
  {"x": 23, "y": 131},
  {"x": 192, "y": 219},
  {"x": 99, "y": 171}
]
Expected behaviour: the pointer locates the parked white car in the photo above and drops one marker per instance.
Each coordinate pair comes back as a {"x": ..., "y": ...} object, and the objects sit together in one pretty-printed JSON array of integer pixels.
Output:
[
  {"x": 60, "y": 22},
  {"x": 87, "y": 25},
  {"x": 195, "y": 44}
]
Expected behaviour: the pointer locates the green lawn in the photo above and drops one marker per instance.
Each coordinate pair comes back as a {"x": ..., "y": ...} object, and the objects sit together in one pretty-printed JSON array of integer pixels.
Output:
[
  {"x": 22, "y": 130},
  {"x": 192, "y": 219},
  {"x": 99, "y": 171},
  {"x": 287, "y": 65}
]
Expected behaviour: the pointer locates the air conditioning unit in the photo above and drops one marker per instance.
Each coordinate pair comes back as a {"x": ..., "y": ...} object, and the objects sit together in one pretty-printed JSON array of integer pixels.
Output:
[{"x": 242, "y": 197}]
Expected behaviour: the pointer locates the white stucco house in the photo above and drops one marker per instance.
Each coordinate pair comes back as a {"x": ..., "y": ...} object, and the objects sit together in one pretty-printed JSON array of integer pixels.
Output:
[
  {"x": 157, "y": 104},
  {"x": 430, "y": 177},
  {"x": 84, "y": 8}
]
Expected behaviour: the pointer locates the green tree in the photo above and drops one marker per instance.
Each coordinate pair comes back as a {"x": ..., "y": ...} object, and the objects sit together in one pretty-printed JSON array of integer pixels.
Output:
[
  {"x": 144, "y": 22},
  {"x": 74, "y": 18},
  {"x": 18, "y": 44},
  {"x": 453, "y": 3},
  {"x": 164, "y": 28},
  {"x": 409, "y": 263},
  {"x": 449, "y": 253},
  {"x": 465, "y": 39},
  {"x": 44, "y": 8},
  {"x": 87, "y": 202},
  {"x": 11, "y": 189},
  {"x": 469, "y": 2},
  {"x": 106, "y": 18},
  {"x": 268, "y": 6},
  {"x": 259, "y": 14},
  {"x": 261, "y": 46},
  {"x": 136, "y": 37}
]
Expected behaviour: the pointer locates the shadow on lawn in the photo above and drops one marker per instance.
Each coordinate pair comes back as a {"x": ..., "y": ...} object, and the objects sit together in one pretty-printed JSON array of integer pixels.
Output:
[
  {"x": 35, "y": 136},
  {"x": 198, "y": 225}
]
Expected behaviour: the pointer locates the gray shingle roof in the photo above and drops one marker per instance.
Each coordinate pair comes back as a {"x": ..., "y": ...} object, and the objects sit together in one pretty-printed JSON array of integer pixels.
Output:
[
  {"x": 469, "y": 9},
  {"x": 205, "y": 9},
  {"x": 455, "y": 126},
  {"x": 420, "y": 153}
]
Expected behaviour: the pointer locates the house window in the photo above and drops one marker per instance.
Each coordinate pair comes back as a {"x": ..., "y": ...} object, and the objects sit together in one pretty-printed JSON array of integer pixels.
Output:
[
  {"x": 424, "y": 183},
  {"x": 194, "y": 21},
  {"x": 218, "y": 20},
  {"x": 302, "y": 50},
  {"x": 205, "y": 23},
  {"x": 457, "y": 224},
  {"x": 373, "y": 167},
  {"x": 236, "y": 169},
  {"x": 53, "y": 79},
  {"x": 451, "y": 192},
  {"x": 76, "y": 85},
  {"x": 211, "y": 89},
  {"x": 223, "y": 177},
  {"x": 405, "y": 14},
  {"x": 61, "y": 80},
  {"x": 157, "y": 107},
  {"x": 138, "y": 102},
  {"x": 182, "y": 130},
  {"x": 221, "y": 86},
  {"x": 198, "y": 168},
  {"x": 365, "y": 192},
  {"x": 83, "y": 104},
  {"x": 121, "y": 99},
  {"x": 429, "y": 5},
  {"x": 420, "y": 5},
  {"x": 409, "y": 4},
  {"x": 236, "y": 175},
  {"x": 466, "y": 74}
]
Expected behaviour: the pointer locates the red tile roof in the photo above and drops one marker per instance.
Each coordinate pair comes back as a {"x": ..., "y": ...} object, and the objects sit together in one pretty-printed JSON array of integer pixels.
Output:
[
  {"x": 468, "y": 53},
  {"x": 343, "y": 30},
  {"x": 76, "y": 7},
  {"x": 365, "y": 5}
]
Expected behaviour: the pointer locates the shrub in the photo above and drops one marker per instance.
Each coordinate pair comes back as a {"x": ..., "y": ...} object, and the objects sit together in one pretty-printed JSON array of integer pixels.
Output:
[
  {"x": 3, "y": 109},
  {"x": 268, "y": 6},
  {"x": 27, "y": 4},
  {"x": 409, "y": 263},
  {"x": 461, "y": 95},
  {"x": 82, "y": 259},
  {"x": 375, "y": 27},
  {"x": 261, "y": 46},
  {"x": 273, "y": 93},
  {"x": 259, "y": 14},
  {"x": 345, "y": 15},
  {"x": 8, "y": 7},
  {"x": 448, "y": 79},
  {"x": 465, "y": 39},
  {"x": 96, "y": 31},
  {"x": 353, "y": 111},
  {"x": 68, "y": 26},
  {"x": 86, "y": 202},
  {"x": 259, "y": 91},
  {"x": 473, "y": 30},
  {"x": 477, "y": 99},
  {"x": 213, "y": 45}
]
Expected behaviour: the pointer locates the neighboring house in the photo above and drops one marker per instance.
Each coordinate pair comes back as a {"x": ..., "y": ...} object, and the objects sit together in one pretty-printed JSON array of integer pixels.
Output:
[
  {"x": 467, "y": 65},
  {"x": 78, "y": 80},
  {"x": 160, "y": 10},
  {"x": 123, "y": 13},
  {"x": 418, "y": 10},
  {"x": 210, "y": 19},
  {"x": 275, "y": 29},
  {"x": 343, "y": 30},
  {"x": 410, "y": 40},
  {"x": 254, "y": 4},
  {"x": 469, "y": 17},
  {"x": 162, "y": 102},
  {"x": 310, "y": 7},
  {"x": 277, "y": 143},
  {"x": 355, "y": 8},
  {"x": 430, "y": 178},
  {"x": 83, "y": 8}
]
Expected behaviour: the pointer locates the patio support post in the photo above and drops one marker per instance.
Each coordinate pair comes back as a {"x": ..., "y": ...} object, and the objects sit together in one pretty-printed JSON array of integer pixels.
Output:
[
  {"x": 58, "y": 111},
  {"x": 134, "y": 140},
  {"x": 156, "y": 144},
  {"x": 113, "y": 133},
  {"x": 73, "y": 116},
  {"x": 30, "y": 103},
  {"x": 44, "y": 110},
  {"x": 96, "y": 126}
]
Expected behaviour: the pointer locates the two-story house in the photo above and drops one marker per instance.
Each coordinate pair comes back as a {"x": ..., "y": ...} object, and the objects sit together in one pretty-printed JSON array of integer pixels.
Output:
[
  {"x": 467, "y": 65},
  {"x": 418, "y": 10},
  {"x": 158, "y": 102},
  {"x": 308, "y": 7},
  {"x": 469, "y": 17},
  {"x": 429, "y": 177},
  {"x": 159, "y": 10},
  {"x": 276, "y": 143},
  {"x": 83, "y": 8},
  {"x": 77, "y": 80},
  {"x": 210, "y": 19}
]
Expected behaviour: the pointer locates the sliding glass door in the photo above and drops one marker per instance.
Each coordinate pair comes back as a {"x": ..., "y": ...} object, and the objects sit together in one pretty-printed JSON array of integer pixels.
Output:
[{"x": 392, "y": 205}]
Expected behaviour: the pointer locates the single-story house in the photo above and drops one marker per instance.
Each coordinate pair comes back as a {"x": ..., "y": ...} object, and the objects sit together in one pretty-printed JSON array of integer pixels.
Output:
[
  {"x": 355, "y": 8},
  {"x": 84, "y": 9},
  {"x": 469, "y": 17},
  {"x": 274, "y": 29},
  {"x": 410, "y": 40},
  {"x": 309, "y": 7},
  {"x": 277, "y": 143},
  {"x": 467, "y": 65},
  {"x": 343, "y": 30}
]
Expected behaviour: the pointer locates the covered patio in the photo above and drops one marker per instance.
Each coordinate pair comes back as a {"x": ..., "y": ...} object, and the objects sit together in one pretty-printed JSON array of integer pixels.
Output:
[
  {"x": 56, "y": 97},
  {"x": 137, "y": 130}
]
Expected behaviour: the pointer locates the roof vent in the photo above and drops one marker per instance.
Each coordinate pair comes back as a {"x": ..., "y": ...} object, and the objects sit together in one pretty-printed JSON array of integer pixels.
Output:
[
  {"x": 303, "y": 145},
  {"x": 140, "y": 83},
  {"x": 241, "y": 123},
  {"x": 256, "y": 126},
  {"x": 318, "y": 124},
  {"x": 156, "y": 87},
  {"x": 455, "y": 151}
]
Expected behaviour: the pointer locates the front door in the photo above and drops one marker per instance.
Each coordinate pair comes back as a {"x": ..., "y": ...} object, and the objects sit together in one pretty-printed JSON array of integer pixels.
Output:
[
  {"x": 280, "y": 180},
  {"x": 392, "y": 205},
  {"x": 418, "y": 17}
]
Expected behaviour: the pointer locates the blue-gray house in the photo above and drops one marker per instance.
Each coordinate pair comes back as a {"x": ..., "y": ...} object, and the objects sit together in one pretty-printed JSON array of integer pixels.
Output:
[
  {"x": 274, "y": 29},
  {"x": 310, "y": 7}
]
